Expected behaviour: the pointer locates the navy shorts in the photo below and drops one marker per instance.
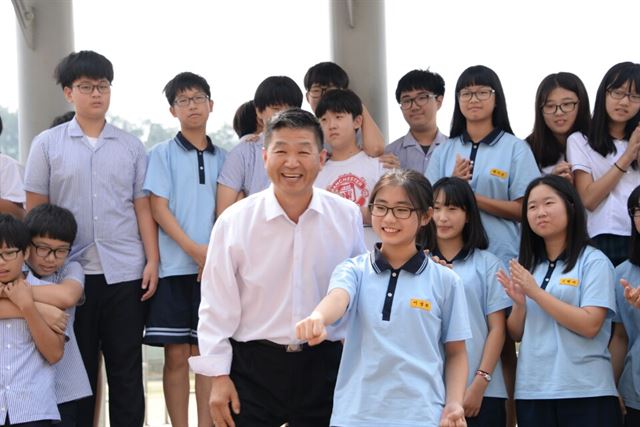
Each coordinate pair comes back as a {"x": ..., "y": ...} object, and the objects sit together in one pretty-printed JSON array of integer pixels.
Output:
[
  {"x": 173, "y": 312},
  {"x": 579, "y": 412}
]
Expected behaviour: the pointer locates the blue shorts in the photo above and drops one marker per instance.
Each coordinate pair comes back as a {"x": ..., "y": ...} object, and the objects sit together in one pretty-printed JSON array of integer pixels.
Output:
[{"x": 173, "y": 312}]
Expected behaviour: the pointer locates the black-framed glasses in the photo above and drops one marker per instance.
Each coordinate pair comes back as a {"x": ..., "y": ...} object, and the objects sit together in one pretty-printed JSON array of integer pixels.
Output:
[
  {"x": 44, "y": 251},
  {"x": 400, "y": 212},
  {"x": 634, "y": 212},
  {"x": 565, "y": 107},
  {"x": 88, "y": 88},
  {"x": 621, "y": 94},
  {"x": 481, "y": 95},
  {"x": 419, "y": 100},
  {"x": 185, "y": 101},
  {"x": 316, "y": 92},
  {"x": 10, "y": 255}
]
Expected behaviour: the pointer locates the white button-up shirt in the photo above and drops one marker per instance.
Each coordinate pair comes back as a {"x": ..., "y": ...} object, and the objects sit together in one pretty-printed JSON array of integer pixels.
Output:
[{"x": 265, "y": 272}]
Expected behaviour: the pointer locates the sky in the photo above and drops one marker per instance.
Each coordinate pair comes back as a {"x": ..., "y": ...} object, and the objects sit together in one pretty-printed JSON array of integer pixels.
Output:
[{"x": 236, "y": 44}]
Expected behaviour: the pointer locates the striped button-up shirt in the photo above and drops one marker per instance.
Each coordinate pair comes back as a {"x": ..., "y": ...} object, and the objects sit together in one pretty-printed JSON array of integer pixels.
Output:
[
  {"x": 99, "y": 186},
  {"x": 71, "y": 381},
  {"x": 27, "y": 390}
]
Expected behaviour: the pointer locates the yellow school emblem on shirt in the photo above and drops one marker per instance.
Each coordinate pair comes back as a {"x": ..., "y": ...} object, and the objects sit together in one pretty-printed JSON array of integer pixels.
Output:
[
  {"x": 499, "y": 173},
  {"x": 421, "y": 303},
  {"x": 569, "y": 282}
]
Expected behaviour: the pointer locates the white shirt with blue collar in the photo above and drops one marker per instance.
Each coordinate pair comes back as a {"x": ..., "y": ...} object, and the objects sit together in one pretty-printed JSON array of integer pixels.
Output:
[{"x": 398, "y": 320}]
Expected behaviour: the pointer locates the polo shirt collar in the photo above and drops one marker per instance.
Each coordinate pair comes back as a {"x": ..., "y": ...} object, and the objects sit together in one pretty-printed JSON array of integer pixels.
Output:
[
  {"x": 415, "y": 265},
  {"x": 182, "y": 141},
  {"x": 75, "y": 131},
  {"x": 561, "y": 257},
  {"x": 409, "y": 140},
  {"x": 458, "y": 257},
  {"x": 490, "y": 139},
  {"x": 272, "y": 208}
]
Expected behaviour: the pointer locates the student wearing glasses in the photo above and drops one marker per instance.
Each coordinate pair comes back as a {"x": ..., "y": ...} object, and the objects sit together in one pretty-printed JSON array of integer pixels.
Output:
[
  {"x": 419, "y": 94},
  {"x": 605, "y": 162},
  {"x": 562, "y": 108}
]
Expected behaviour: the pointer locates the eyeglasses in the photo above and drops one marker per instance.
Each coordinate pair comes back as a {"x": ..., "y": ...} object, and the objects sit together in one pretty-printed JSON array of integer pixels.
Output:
[
  {"x": 88, "y": 88},
  {"x": 400, "y": 212},
  {"x": 10, "y": 255},
  {"x": 184, "y": 102},
  {"x": 481, "y": 95},
  {"x": 419, "y": 100},
  {"x": 317, "y": 91},
  {"x": 620, "y": 94},
  {"x": 565, "y": 107},
  {"x": 45, "y": 251},
  {"x": 634, "y": 212}
]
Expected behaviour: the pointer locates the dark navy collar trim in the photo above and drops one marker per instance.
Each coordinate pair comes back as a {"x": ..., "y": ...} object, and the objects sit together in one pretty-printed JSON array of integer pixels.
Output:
[
  {"x": 490, "y": 139},
  {"x": 459, "y": 256},
  {"x": 187, "y": 145},
  {"x": 415, "y": 265}
]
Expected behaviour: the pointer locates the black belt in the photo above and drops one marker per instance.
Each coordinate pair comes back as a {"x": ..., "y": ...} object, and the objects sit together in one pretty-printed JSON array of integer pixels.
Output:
[{"x": 286, "y": 348}]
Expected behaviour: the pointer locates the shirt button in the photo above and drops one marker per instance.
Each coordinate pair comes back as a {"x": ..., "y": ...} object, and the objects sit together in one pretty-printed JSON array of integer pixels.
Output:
[
  {"x": 201, "y": 167},
  {"x": 7, "y": 387},
  {"x": 95, "y": 218},
  {"x": 552, "y": 265},
  {"x": 9, "y": 325},
  {"x": 8, "y": 367},
  {"x": 546, "y": 279},
  {"x": 389, "y": 294},
  {"x": 3, "y": 409},
  {"x": 394, "y": 274},
  {"x": 8, "y": 345}
]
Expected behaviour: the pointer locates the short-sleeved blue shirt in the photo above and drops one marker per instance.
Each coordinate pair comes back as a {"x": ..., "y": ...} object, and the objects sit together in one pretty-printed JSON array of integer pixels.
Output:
[
  {"x": 244, "y": 169},
  {"x": 554, "y": 362},
  {"x": 629, "y": 384},
  {"x": 484, "y": 296},
  {"x": 186, "y": 177},
  {"x": 392, "y": 365},
  {"x": 503, "y": 168}
]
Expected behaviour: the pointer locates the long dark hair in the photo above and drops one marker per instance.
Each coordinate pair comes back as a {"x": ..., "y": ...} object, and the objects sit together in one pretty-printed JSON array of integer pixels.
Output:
[
  {"x": 457, "y": 192},
  {"x": 532, "y": 248},
  {"x": 547, "y": 149},
  {"x": 633, "y": 203},
  {"x": 479, "y": 75},
  {"x": 420, "y": 194},
  {"x": 599, "y": 137}
]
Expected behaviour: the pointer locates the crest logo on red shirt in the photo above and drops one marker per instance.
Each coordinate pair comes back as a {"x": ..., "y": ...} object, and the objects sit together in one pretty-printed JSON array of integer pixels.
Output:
[{"x": 351, "y": 187}]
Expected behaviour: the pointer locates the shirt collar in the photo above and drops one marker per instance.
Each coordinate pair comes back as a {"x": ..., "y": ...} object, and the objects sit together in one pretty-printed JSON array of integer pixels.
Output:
[
  {"x": 187, "y": 145},
  {"x": 561, "y": 257},
  {"x": 409, "y": 140},
  {"x": 415, "y": 265},
  {"x": 490, "y": 139},
  {"x": 75, "y": 131},
  {"x": 458, "y": 257},
  {"x": 273, "y": 209}
]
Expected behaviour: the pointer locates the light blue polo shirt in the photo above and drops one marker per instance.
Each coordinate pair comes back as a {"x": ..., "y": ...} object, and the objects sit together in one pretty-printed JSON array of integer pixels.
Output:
[
  {"x": 186, "y": 177},
  {"x": 392, "y": 367},
  {"x": 244, "y": 168},
  {"x": 503, "y": 168},
  {"x": 629, "y": 384},
  {"x": 484, "y": 296},
  {"x": 554, "y": 362}
]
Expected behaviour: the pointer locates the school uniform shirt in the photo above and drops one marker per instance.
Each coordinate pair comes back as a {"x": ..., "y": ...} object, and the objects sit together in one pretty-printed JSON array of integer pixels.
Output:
[
  {"x": 411, "y": 154},
  {"x": 27, "y": 380},
  {"x": 503, "y": 168},
  {"x": 398, "y": 320},
  {"x": 484, "y": 296},
  {"x": 186, "y": 177},
  {"x": 353, "y": 179},
  {"x": 610, "y": 217},
  {"x": 243, "y": 169},
  {"x": 264, "y": 272},
  {"x": 99, "y": 186},
  {"x": 554, "y": 362},
  {"x": 11, "y": 187},
  {"x": 71, "y": 380},
  {"x": 548, "y": 170},
  {"x": 629, "y": 316}
]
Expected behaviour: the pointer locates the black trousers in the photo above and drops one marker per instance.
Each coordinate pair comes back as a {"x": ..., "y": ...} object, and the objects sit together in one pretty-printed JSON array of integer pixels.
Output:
[
  {"x": 111, "y": 320},
  {"x": 277, "y": 387},
  {"x": 582, "y": 412},
  {"x": 492, "y": 413},
  {"x": 632, "y": 419}
]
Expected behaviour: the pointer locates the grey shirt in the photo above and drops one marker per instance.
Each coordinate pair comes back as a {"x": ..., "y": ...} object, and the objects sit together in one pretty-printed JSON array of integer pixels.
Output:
[{"x": 411, "y": 154}]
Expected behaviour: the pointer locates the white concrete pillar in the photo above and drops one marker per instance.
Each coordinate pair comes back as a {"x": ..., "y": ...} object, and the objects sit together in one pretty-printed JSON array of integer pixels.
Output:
[
  {"x": 358, "y": 45},
  {"x": 44, "y": 36}
]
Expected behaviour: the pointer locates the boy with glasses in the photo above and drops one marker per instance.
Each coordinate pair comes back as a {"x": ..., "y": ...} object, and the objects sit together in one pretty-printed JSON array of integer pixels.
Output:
[
  {"x": 419, "y": 94},
  {"x": 97, "y": 172},
  {"x": 181, "y": 179}
]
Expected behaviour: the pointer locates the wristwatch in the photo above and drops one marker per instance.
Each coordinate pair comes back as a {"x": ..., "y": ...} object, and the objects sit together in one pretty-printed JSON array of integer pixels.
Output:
[{"x": 485, "y": 375}]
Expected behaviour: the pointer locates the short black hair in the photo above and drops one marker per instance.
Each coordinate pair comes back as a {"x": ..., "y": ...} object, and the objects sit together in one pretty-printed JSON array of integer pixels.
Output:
[
  {"x": 185, "y": 81},
  {"x": 326, "y": 74},
  {"x": 294, "y": 118},
  {"x": 420, "y": 80},
  {"x": 245, "y": 121},
  {"x": 457, "y": 192},
  {"x": 532, "y": 247},
  {"x": 633, "y": 203},
  {"x": 340, "y": 101},
  {"x": 0, "y": 125},
  {"x": 277, "y": 90},
  {"x": 62, "y": 118},
  {"x": 85, "y": 63},
  {"x": 13, "y": 233},
  {"x": 479, "y": 75},
  {"x": 53, "y": 222}
]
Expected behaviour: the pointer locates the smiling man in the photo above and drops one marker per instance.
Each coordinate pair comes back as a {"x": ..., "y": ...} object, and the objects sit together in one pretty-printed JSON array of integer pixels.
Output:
[{"x": 268, "y": 265}]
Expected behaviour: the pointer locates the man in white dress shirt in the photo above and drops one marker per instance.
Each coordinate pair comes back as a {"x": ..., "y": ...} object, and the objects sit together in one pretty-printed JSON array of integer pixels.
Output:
[{"x": 268, "y": 265}]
